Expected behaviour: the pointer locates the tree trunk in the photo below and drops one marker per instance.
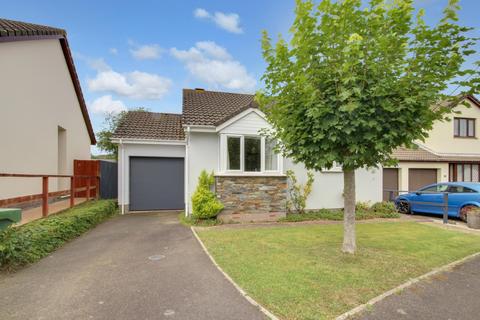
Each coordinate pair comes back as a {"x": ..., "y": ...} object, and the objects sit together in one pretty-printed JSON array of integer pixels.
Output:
[{"x": 349, "y": 242}]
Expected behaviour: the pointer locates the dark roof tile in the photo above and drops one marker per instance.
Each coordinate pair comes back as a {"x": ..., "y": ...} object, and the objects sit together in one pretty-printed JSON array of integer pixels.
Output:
[
  {"x": 10, "y": 28},
  {"x": 150, "y": 125},
  {"x": 211, "y": 108}
]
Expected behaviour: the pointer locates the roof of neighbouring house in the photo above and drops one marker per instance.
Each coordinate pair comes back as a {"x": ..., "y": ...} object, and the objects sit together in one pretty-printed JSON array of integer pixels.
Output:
[
  {"x": 18, "y": 31},
  {"x": 421, "y": 154},
  {"x": 211, "y": 108},
  {"x": 10, "y": 28},
  {"x": 150, "y": 126}
]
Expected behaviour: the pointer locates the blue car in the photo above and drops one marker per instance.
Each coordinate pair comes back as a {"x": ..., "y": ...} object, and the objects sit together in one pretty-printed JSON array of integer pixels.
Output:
[{"x": 462, "y": 197}]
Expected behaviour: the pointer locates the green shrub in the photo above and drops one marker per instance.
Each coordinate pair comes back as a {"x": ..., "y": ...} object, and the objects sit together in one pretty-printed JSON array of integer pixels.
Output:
[
  {"x": 32, "y": 241},
  {"x": 205, "y": 204},
  {"x": 298, "y": 194},
  {"x": 362, "y": 206},
  {"x": 384, "y": 206}
]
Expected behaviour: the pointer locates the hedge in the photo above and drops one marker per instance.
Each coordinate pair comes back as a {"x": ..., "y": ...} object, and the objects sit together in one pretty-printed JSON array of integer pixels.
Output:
[{"x": 32, "y": 241}]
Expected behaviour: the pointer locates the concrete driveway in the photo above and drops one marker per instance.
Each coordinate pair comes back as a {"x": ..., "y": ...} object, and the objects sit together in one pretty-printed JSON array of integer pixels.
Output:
[{"x": 137, "y": 266}]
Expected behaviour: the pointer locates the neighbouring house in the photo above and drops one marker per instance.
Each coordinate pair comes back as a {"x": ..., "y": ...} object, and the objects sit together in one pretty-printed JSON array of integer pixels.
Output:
[
  {"x": 161, "y": 156},
  {"x": 44, "y": 123},
  {"x": 450, "y": 153}
]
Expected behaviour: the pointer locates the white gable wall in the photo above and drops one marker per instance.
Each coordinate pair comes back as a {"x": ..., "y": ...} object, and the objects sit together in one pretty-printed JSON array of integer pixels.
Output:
[
  {"x": 36, "y": 97},
  {"x": 250, "y": 124}
]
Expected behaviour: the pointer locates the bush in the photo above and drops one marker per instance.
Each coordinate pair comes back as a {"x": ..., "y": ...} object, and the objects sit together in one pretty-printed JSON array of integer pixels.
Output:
[
  {"x": 362, "y": 206},
  {"x": 32, "y": 241},
  {"x": 298, "y": 193},
  {"x": 384, "y": 206},
  {"x": 205, "y": 204}
]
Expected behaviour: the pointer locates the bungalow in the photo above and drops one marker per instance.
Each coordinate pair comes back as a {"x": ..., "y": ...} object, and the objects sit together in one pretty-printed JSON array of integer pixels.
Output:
[
  {"x": 450, "y": 153},
  {"x": 44, "y": 122},
  {"x": 161, "y": 156}
]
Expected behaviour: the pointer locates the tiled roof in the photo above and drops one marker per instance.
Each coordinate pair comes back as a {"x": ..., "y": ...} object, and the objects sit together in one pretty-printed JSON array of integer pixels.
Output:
[
  {"x": 10, "y": 28},
  {"x": 150, "y": 125},
  {"x": 211, "y": 108},
  {"x": 422, "y": 155}
]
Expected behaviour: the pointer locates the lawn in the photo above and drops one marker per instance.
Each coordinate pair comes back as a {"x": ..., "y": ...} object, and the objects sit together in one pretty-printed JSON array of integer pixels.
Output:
[{"x": 298, "y": 272}]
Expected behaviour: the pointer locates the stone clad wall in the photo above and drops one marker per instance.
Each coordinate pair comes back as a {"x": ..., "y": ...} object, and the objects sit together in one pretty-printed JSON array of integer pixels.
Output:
[{"x": 252, "y": 198}]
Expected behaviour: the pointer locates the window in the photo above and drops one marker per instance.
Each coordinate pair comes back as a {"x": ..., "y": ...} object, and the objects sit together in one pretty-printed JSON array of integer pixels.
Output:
[
  {"x": 233, "y": 153},
  {"x": 460, "y": 189},
  {"x": 435, "y": 188},
  {"x": 468, "y": 172},
  {"x": 271, "y": 158},
  {"x": 249, "y": 154},
  {"x": 252, "y": 154},
  {"x": 464, "y": 127}
]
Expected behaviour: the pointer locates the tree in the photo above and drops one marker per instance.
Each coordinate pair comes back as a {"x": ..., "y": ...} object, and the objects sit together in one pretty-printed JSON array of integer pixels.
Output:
[
  {"x": 111, "y": 123},
  {"x": 355, "y": 82}
]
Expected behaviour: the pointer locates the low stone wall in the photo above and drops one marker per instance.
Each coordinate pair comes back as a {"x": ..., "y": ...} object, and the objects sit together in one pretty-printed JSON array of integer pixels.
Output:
[{"x": 252, "y": 198}]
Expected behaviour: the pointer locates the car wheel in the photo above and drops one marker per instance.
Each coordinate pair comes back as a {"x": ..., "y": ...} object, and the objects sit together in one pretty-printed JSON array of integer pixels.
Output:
[
  {"x": 403, "y": 207},
  {"x": 464, "y": 212}
]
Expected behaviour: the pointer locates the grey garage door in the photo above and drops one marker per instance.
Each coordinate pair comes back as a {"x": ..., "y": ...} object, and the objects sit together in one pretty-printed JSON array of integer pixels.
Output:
[
  {"x": 418, "y": 178},
  {"x": 156, "y": 183}
]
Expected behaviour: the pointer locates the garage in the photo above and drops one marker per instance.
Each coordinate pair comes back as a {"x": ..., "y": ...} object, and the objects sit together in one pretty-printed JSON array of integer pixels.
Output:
[
  {"x": 418, "y": 178},
  {"x": 156, "y": 183},
  {"x": 390, "y": 182}
]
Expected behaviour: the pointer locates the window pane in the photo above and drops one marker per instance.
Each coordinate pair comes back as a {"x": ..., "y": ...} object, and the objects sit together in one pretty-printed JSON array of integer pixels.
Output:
[
  {"x": 467, "y": 171},
  {"x": 459, "y": 172},
  {"x": 463, "y": 127},
  {"x": 233, "y": 154},
  {"x": 471, "y": 127},
  {"x": 475, "y": 177},
  {"x": 271, "y": 158},
  {"x": 456, "y": 129},
  {"x": 252, "y": 154}
]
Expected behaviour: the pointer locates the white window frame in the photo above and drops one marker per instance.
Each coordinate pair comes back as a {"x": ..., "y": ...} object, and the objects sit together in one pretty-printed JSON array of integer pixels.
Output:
[{"x": 224, "y": 155}]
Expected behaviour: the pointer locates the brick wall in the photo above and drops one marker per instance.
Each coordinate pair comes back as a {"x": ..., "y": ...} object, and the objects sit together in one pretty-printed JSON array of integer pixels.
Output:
[{"x": 251, "y": 198}]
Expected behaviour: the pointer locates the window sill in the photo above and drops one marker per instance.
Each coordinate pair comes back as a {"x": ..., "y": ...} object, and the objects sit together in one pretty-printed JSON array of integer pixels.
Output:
[
  {"x": 249, "y": 174},
  {"x": 460, "y": 137}
]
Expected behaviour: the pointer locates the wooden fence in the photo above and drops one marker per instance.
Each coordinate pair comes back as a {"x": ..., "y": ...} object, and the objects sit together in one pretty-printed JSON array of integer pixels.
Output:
[{"x": 85, "y": 186}]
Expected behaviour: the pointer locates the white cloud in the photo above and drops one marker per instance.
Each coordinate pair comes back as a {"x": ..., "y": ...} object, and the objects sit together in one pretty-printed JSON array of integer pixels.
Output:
[
  {"x": 106, "y": 104},
  {"x": 212, "y": 64},
  {"x": 144, "y": 52},
  {"x": 135, "y": 85},
  {"x": 201, "y": 13},
  {"x": 113, "y": 51},
  {"x": 226, "y": 21}
]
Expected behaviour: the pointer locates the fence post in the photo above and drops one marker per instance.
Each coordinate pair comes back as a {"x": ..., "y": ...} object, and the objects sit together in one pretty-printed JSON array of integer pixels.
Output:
[
  {"x": 44, "y": 196},
  {"x": 97, "y": 188},
  {"x": 88, "y": 188},
  {"x": 445, "y": 207},
  {"x": 72, "y": 191}
]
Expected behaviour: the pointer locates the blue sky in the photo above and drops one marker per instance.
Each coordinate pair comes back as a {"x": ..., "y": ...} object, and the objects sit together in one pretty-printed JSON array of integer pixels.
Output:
[{"x": 142, "y": 53}]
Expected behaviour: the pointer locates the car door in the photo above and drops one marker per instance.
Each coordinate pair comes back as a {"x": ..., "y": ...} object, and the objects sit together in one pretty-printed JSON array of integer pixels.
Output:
[
  {"x": 457, "y": 196},
  {"x": 430, "y": 199}
]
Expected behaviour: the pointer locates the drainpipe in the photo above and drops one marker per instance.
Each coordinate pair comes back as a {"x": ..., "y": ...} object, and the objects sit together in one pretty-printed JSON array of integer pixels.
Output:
[
  {"x": 187, "y": 165},
  {"x": 122, "y": 176}
]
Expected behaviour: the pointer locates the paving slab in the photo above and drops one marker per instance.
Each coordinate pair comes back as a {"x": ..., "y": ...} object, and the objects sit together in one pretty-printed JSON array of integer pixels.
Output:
[
  {"x": 137, "y": 266},
  {"x": 450, "y": 295}
]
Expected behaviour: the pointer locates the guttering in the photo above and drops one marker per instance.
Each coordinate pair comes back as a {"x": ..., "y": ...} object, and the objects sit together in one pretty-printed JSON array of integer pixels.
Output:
[
  {"x": 198, "y": 128},
  {"x": 149, "y": 141}
]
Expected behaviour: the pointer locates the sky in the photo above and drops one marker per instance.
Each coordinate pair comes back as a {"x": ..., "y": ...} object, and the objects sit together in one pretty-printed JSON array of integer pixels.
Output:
[{"x": 140, "y": 53}]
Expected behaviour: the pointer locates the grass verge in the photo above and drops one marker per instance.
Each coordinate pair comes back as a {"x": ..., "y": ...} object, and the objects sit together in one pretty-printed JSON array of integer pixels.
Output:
[
  {"x": 32, "y": 241},
  {"x": 300, "y": 273},
  {"x": 189, "y": 221},
  {"x": 337, "y": 215}
]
